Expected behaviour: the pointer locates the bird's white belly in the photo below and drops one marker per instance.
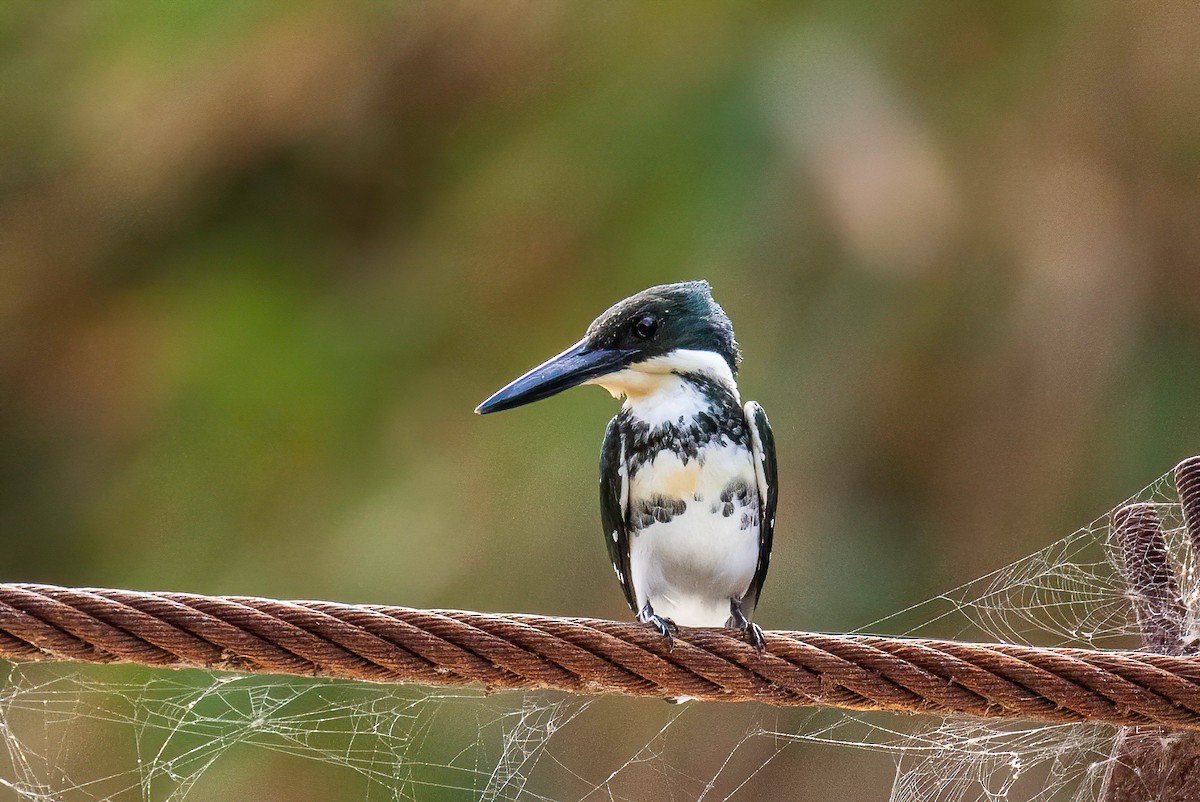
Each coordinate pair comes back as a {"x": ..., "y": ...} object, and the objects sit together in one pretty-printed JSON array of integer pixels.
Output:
[{"x": 689, "y": 567}]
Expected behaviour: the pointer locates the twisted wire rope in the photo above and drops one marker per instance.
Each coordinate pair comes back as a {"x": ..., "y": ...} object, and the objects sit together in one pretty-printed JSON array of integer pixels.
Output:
[
  {"x": 589, "y": 656},
  {"x": 1159, "y": 686}
]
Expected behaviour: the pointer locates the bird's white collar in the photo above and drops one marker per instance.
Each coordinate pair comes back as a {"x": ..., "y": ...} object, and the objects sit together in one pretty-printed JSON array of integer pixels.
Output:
[{"x": 656, "y": 390}]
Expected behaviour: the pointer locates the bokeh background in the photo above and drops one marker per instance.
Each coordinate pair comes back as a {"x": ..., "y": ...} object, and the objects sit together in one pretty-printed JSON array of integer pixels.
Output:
[{"x": 259, "y": 261}]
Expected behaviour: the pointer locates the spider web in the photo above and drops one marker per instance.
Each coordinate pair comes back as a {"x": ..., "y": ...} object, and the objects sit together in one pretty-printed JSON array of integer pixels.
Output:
[{"x": 81, "y": 733}]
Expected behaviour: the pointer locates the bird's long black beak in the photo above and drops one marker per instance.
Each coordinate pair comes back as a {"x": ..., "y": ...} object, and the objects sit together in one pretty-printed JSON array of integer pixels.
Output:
[{"x": 573, "y": 366}]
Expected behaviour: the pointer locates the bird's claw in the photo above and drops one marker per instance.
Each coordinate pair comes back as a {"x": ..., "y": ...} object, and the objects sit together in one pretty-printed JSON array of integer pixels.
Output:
[
  {"x": 754, "y": 636},
  {"x": 665, "y": 626},
  {"x": 751, "y": 631}
]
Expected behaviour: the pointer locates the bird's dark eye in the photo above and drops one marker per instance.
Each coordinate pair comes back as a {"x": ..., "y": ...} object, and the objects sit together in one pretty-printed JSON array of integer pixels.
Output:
[{"x": 647, "y": 327}]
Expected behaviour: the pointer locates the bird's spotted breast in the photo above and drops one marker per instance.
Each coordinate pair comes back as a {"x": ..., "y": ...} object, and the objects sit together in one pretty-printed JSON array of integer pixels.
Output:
[
  {"x": 690, "y": 555},
  {"x": 715, "y": 419},
  {"x": 718, "y": 483},
  {"x": 703, "y": 456}
]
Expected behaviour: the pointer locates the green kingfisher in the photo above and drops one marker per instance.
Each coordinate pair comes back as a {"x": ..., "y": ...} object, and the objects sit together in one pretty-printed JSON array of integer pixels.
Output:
[{"x": 688, "y": 482}]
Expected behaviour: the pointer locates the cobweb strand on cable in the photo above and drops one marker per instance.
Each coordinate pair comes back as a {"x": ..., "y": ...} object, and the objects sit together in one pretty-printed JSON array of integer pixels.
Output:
[
  {"x": 1070, "y": 593},
  {"x": 176, "y": 735}
]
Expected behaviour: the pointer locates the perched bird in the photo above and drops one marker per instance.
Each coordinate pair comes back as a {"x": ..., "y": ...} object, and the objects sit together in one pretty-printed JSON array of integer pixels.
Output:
[{"x": 688, "y": 484}]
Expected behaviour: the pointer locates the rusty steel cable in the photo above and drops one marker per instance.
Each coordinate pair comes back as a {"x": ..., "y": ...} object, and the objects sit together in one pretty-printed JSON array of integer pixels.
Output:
[
  {"x": 1159, "y": 686},
  {"x": 587, "y": 656}
]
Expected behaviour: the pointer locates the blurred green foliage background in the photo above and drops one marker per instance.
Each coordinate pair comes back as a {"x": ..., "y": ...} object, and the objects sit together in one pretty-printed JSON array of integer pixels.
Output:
[{"x": 259, "y": 261}]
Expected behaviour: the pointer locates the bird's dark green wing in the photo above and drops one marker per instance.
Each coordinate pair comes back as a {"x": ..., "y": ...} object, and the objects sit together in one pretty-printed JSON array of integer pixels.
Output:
[
  {"x": 614, "y": 506},
  {"x": 762, "y": 441}
]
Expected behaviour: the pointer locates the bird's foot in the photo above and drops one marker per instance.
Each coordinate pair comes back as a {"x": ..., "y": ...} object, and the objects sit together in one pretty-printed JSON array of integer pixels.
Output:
[
  {"x": 665, "y": 626},
  {"x": 754, "y": 636},
  {"x": 751, "y": 631}
]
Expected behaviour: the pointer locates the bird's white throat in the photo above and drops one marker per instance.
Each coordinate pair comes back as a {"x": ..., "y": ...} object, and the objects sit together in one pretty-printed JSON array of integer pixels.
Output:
[{"x": 657, "y": 390}]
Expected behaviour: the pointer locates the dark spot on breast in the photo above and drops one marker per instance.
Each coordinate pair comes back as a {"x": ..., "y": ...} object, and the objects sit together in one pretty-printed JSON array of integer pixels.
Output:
[
  {"x": 737, "y": 489},
  {"x": 740, "y": 495},
  {"x": 656, "y": 508}
]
